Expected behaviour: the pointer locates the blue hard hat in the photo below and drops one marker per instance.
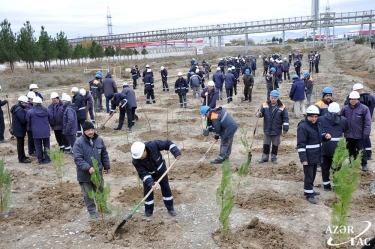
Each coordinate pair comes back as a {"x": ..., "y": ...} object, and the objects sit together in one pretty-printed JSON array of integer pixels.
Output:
[
  {"x": 247, "y": 71},
  {"x": 98, "y": 76},
  {"x": 192, "y": 73},
  {"x": 274, "y": 93},
  {"x": 295, "y": 76},
  {"x": 327, "y": 90},
  {"x": 305, "y": 74},
  {"x": 272, "y": 70},
  {"x": 204, "y": 109},
  {"x": 99, "y": 72}
]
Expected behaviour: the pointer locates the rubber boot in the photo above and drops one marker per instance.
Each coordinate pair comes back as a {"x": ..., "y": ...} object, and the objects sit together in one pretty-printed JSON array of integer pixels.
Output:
[
  {"x": 274, "y": 153},
  {"x": 264, "y": 158},
  {"x": 265, "y": 154}
]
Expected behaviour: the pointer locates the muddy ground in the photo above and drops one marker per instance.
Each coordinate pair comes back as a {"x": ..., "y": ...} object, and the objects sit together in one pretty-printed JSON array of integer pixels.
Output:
[{"x": 270, "y": 209}]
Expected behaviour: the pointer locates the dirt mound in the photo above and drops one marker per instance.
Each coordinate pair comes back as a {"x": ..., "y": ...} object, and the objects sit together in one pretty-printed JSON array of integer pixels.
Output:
[
  {"x": 133, "y": 195},
  {"x": 273, "y": 200},
  {"x": 6, "y": 151},
  {"x": 19, "y": 181},
  {"x": 194, "y": 171},
  {"x": 364, "y": 203},
  {"x": 124, "y": 148},
  {"x": 59, "y": 202},
  {"x": 184, "y": 122},
  {"x": 122, "y": 169},
  {"x": 365, "y": 179},
  {"x": 288, "y": 172},
  {"x": 258, "y": 234},
  {"x": 141, "y": 232},
  {"x": 154, "y": 134}
]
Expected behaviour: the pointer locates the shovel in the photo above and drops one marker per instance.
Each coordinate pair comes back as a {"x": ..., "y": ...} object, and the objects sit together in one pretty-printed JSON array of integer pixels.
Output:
[
  {"x": 144, "y": 198},
  {"x": 103, "y": 126},
  {"x": 204, "y": 156},
  {"x": 10, "y": 120},
  {"x": 249, "y": 156}
]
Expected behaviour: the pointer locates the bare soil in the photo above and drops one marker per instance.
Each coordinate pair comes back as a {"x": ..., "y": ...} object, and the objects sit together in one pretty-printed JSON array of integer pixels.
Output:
[{"x": 270, "y": 209}]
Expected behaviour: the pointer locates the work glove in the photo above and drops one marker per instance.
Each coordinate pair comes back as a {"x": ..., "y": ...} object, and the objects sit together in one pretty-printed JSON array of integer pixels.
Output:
[
  {"x": 216, "y": 137},
  {"x": 111, "y": 112}
]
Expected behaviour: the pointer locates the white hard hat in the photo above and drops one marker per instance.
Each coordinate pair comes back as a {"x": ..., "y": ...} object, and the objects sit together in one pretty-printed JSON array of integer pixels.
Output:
[
  {"x": 31, "y": 95},
  {"x": 233, "y": 67},
  {"x": 23, "y": 98},
  {"x": 229, "y": 69},
  {"x": 54, "y": 95},
  {"x": 137, "y": 149},
  {"x": 0, "y": 87},
  {"x": 37, "y": 100},
  {"x": 357, "y": 87},
  {"x": 125, "y": 84},
  {"x": 313, "y": 109},
  {"x": 211, "y": 83},
  {"x": 66, "y": 97},
  {"x": 179, "y": 74},
  {"x": 161, "y": 68},
  {"x": 33, "y": 86},
  {"x": 334, "y": 107},
  {"x": 74, "y": 89},
  {"x": 218, "y": 68},
  {"x": 354, "y": 95},
  {"x": 82, "y": 91},
  {"x": 197, "y": 70},
  {"x": 147, "y": 65}
]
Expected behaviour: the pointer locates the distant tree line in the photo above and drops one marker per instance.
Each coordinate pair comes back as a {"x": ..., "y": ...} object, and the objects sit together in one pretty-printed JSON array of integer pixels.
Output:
[{"x": 24, "y": 46}]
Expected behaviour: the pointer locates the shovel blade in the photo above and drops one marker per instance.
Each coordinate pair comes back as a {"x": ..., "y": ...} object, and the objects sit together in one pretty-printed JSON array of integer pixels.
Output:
[
  {"x": 123, "y": 223},
  {"x": 102, "y": 127}
]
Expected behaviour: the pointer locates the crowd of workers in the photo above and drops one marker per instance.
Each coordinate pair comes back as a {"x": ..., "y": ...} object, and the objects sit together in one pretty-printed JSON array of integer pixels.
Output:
[{"x": 321, "y": 125}]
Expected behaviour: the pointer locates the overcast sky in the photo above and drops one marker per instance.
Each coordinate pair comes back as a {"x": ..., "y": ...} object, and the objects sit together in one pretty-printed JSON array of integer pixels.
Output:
[{"x": 80, "y": 18}]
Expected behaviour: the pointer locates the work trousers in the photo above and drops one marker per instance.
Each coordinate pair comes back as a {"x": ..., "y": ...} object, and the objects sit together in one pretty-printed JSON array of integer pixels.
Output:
[
  {"x": 69, "y": 141},
  {"x": 354, "y": 146},
  {"x": 2, "y": 127},
  {"x": 299, "y": 108},
  {"x": 325, "y": 167},
  {"x": 21, "y": 148},
  {"x": 308, "y": 185},
  {"x": 286, "y": 73},
  {"x": 247, "y": 93},
  {"x": 229, "y": 92},
  {"x": 150, "y": 96},
  {"x": 80, "y": 123},
  {"x": 183, "y": 101},
  {"x": 30, "y": 143},
  {"x": 89, "y": 202},
  {"x": 368, "y": 147},
  {"x": 196, "y": 91},
  {"x": 165, "y": 84},
  {"x": 219, "y": 91},
  {"x": 165, "y": 191},
  {"x": 97, "y": 104},
  {"x": 225, "y": 148},
  {"x": 59, "y": 138},
  {"x": 41, "y": 146}
]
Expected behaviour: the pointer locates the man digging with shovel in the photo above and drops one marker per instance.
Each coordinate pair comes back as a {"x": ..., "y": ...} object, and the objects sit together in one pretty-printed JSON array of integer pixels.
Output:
[
  {"x": 225, "y": 127},
  {"x": 150, "y": 165}
]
